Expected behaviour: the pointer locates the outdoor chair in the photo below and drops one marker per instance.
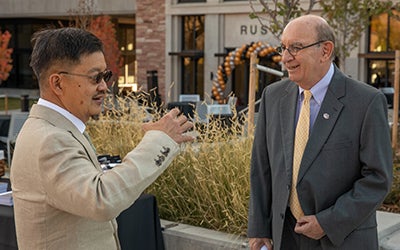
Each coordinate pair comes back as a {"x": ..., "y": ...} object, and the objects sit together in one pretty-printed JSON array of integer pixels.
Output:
[{"x": 16, "y": 121}]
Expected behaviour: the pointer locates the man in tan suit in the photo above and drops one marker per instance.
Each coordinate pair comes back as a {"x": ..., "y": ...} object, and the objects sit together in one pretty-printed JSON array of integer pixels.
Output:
[{"x": 62, "y": 198}]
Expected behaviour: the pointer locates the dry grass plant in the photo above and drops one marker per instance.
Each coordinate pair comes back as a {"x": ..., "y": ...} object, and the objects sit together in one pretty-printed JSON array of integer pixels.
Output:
[
  {"x": 207, "y": 185},
  {"x": 118, "y": 129}
]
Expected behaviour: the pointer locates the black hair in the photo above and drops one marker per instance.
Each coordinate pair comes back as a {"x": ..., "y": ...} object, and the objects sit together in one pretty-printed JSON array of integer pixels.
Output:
[{"x": 65, "y": 45}]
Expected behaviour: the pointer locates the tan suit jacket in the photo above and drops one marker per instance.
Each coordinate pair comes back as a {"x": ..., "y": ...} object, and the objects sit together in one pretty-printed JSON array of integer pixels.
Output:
[{"x": 62, "y": 198}]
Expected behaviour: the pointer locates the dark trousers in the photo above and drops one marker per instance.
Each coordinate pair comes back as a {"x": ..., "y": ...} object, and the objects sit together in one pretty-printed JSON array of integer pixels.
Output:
[{"x": 293, "y": 241}]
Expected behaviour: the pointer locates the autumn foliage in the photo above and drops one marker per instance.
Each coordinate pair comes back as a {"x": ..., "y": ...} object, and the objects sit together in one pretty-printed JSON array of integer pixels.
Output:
[
  {"x": 104, "y": 29},
  {"x": 5, "y": 56}
]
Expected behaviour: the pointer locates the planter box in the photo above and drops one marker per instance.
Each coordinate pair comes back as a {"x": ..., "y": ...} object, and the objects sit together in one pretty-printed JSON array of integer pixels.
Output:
[{"x": 182, "y": 237}]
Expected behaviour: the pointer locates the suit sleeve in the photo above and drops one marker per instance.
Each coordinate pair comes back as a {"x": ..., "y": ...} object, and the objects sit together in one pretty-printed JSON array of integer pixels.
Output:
[
  {"x": 74, "y": 184},
  {"x": 354, "y": 207},
  {"x": 260, "y": 214}
]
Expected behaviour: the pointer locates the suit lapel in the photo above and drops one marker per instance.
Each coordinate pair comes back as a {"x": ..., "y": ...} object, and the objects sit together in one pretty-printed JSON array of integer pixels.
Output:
[
  {"x": 287, "y": 121},
  {"x": 325, "y": 121},
  {"x": 60, "y": 121},
  {"x": 88, "y": 147}
]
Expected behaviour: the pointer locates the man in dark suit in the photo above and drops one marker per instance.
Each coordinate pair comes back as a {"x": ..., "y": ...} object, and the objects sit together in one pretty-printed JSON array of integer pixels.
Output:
[{"x": 345, "y": 170}]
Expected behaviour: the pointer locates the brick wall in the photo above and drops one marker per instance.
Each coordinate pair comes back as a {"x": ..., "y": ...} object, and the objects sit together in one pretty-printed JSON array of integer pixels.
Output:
[{"x": 150, "y": 41}]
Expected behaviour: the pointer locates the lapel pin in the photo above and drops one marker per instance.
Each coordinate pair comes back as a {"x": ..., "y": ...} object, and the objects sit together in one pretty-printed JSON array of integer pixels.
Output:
[{"x": 326, "y": 116}]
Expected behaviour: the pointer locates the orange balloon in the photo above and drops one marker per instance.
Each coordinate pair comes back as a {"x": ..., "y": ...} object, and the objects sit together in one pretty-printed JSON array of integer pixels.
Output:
[{"x": 277, "y": 58}]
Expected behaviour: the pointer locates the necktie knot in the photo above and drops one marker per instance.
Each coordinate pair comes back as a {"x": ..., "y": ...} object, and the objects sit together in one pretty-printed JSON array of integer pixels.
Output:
[{"x": 307, "y": 96}]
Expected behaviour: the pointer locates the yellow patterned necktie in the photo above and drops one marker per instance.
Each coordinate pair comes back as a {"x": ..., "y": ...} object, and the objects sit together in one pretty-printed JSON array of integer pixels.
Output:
[{"x": 300, "y": 141}]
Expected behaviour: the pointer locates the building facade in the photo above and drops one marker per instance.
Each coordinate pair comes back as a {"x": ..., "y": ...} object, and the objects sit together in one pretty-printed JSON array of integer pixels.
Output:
[
  {"x": 180, "y": 46},
  {"x": 22, "y": 18}
]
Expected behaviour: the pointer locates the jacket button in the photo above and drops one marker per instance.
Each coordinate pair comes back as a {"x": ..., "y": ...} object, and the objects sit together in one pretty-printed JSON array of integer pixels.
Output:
[{"x": 282, "y": 216}]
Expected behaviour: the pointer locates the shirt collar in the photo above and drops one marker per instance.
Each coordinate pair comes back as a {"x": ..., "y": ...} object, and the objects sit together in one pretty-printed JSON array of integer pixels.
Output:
[
  {"x": 319, "y": 90},
  {"x": 75, "y": 120}
]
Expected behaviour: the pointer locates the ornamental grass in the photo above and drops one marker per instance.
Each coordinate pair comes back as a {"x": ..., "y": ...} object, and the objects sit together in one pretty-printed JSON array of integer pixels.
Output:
[{"x": 207, "y": 184}]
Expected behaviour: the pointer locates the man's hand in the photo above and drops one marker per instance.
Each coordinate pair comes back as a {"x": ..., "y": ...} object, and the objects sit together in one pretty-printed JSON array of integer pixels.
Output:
[
  {"x": 258, "y": 243},
  {"x": 173, "y": 124},
  {"x": 310, "y": 227}
]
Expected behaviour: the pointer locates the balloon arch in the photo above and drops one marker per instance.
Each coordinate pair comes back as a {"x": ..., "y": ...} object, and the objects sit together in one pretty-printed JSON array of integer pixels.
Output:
[{"x": 237, "y": 57}]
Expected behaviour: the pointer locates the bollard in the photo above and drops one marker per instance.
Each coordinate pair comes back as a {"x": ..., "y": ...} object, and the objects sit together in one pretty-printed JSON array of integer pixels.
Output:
[{"x": 24, "y": 103}]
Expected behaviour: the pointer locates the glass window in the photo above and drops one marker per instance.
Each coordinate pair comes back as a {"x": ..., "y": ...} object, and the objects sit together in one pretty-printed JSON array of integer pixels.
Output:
[
  {"x": 240, "y": 80},
  {"x": 394, "y": 34},
  {"x": 128, "y": 72},
  {"x": 384, "y": 35},
  {"x": 192, "y": 59},
  {"x": 21, "y": 75},
  {"x": 381, "y": 73},
  {"x": 193, "y": 75},
  {"x": 384, "y": 39},
  {"x": 381, "y": 76},
  {"x": 193, "y": 33}
]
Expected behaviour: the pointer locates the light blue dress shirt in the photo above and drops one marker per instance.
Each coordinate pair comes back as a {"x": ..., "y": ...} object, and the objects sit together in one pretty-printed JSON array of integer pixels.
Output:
[{"x": 318, "y": 93}]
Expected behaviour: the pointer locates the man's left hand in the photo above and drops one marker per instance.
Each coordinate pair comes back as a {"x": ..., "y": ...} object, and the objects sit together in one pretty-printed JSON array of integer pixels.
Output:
[
  {"x": 310, "y": 227},
  {"x": 173, "y": 124}
]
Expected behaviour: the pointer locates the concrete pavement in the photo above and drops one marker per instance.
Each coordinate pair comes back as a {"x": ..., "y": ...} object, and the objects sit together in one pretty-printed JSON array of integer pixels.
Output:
[{"x": 389, "y": 230}]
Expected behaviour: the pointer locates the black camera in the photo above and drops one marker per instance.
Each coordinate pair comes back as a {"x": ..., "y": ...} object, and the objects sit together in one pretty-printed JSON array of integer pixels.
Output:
[{"x": 107, "y": 162}]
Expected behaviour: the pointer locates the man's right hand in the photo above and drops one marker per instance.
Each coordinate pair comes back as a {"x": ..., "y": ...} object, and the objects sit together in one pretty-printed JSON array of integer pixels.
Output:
[
  {"x": 173, "y": 124},
  {"x": 258, "y": 243}
]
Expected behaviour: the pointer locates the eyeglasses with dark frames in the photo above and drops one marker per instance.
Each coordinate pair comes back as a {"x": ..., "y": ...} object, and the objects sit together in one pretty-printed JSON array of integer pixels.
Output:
[
  {"x": 293, "y": 49},
  {"x": 105, "y": 75}
]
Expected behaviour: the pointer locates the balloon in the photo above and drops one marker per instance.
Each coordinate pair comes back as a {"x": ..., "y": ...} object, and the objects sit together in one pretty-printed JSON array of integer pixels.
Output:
[{"x": 236, "y": 57}]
